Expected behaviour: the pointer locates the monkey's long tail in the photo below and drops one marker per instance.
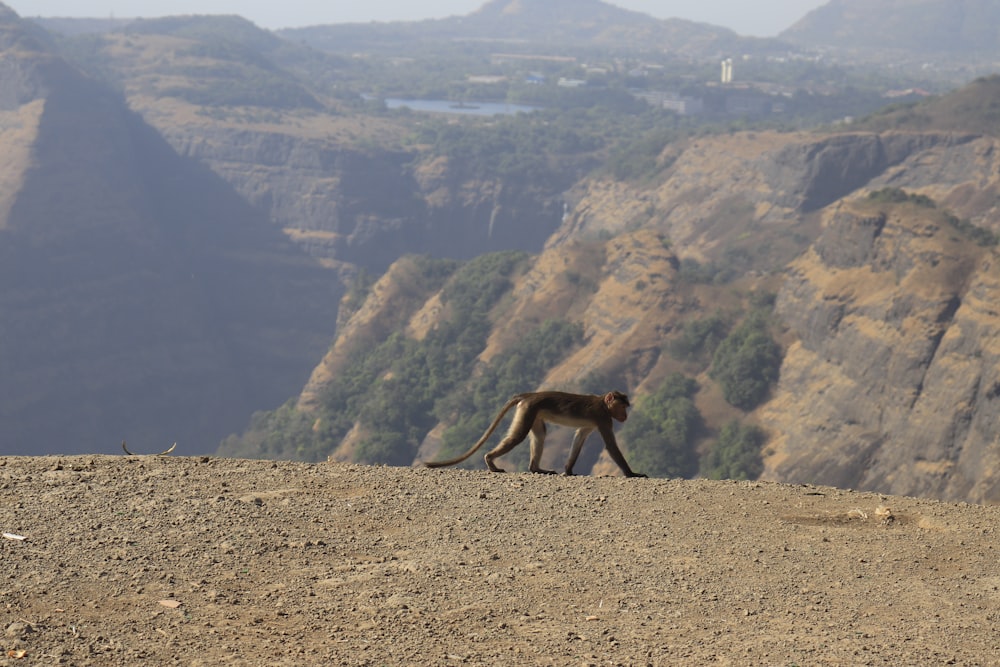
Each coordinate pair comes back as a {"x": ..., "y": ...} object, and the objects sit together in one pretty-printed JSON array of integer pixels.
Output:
[{"x": 486, "y": 436}]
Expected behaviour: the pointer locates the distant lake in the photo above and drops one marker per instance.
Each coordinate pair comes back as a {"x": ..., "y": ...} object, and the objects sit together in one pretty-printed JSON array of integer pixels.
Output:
[{"x": 469, "y": 108}]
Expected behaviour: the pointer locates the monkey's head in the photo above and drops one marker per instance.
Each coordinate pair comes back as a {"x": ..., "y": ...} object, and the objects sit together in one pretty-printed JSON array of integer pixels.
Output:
[{"x": 617, "y": 404}]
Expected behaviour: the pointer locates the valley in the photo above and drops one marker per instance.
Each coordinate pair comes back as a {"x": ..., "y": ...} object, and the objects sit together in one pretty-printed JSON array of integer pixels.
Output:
[{"x": 225, "y": 237}]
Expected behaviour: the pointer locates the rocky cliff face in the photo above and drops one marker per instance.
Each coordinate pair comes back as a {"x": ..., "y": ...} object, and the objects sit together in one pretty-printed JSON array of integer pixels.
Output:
[
  {"x": 340, "y": 184},
  {"x": 370, "y": 207},
  {"x": 140, "y": 296},
  {"x": 892, "y": 384},
  {"x": 719, "y": 188},
  {"x": 888, "y": 383}
]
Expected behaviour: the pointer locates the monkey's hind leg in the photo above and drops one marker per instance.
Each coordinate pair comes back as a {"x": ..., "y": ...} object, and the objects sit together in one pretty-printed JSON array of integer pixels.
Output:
[
  {"x": 497, "y": 452},
  {"x": 519, "y": 430},
  {"x": 505, "y": 446}
]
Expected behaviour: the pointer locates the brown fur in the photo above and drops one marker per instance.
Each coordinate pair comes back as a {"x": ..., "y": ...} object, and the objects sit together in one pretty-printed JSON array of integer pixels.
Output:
[{"x": 586, "y": 412}]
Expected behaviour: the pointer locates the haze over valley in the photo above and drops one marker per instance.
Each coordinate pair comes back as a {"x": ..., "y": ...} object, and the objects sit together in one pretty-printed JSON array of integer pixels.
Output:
[
  {"x": 738, "y": 16},
  {"x": 257, "y": 244}
]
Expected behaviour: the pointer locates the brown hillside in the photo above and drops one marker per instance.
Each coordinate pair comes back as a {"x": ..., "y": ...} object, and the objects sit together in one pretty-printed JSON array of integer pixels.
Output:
[
  {"x": 387, "y": 308},
  {"x": 972, "y": 109},
  {"x": 894, "y": 315},
  {"x": 893, "y": 383},
  {"x": 146, "y": 560},
  {"x": 887, "y": 383}
]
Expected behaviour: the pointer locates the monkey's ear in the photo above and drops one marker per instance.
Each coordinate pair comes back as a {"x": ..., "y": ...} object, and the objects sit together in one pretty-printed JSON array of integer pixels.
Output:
[{"x": 609, "y": 398}]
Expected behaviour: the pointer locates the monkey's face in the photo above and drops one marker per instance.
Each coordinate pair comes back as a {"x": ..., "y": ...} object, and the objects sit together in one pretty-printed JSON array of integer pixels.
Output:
[{"x": 618, "y": 409}]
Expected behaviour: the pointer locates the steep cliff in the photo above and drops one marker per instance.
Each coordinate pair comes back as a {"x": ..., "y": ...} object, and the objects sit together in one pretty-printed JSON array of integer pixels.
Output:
[
  {"x": 893, "y": 382},
  {"x": 370, "y": 207},
  {"x": 345, "y": 186},
  {"x": 390, "y": 306},
  {"x": 758, "y": 190},
  {"x": 888, "y": 379},
  {"x": 141, "y": 297}
]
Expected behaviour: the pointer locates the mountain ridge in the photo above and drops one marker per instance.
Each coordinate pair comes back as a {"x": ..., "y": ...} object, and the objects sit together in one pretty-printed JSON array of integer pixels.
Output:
[
  {"x": 957, "y": 27},
  {"x": 519, "y": 23},
  {"x": 161, "y": 253}
]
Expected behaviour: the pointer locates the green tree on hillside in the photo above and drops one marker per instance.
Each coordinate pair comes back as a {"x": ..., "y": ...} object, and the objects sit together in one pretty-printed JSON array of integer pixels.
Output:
[
  {"x": 737, "y": 454},
  {"x": 661, "y": 430},
  {"x": 700, "y": 338},
  {"x": 746, "y": 363},
  {"x": 398, "y": 406},
  {"x": 391, "y": 386}
]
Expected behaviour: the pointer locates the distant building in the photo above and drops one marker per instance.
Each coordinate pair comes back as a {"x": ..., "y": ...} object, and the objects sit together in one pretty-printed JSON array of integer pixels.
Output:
[
  {"x": 909, "y": 92},
  {"x": 502, "y": 58},
  {"x": 685, "y": 106},
  {"x": 727, "y": 70},
  {"x": 486, "y": 78},
  {"x": 680, "y": 104},
  {"x": 571, "y": 83}
]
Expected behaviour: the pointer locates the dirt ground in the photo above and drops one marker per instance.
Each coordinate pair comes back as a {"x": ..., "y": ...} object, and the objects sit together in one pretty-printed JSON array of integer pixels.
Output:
[{"x": 208, "y": 561}]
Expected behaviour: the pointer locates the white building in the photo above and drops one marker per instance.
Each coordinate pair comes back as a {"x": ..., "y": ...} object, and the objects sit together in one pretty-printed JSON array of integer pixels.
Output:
[{"x": 727, "y": 70}]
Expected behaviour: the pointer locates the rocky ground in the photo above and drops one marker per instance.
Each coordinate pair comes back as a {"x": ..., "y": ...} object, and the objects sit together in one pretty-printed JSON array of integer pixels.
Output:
[{"x": 209, "y": 561}]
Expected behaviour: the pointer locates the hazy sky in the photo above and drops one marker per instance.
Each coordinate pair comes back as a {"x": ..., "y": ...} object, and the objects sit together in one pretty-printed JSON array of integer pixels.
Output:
[{"x": 763, "y": 18}]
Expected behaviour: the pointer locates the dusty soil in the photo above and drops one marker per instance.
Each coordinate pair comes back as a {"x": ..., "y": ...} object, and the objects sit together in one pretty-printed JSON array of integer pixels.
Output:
[{"x": 208, "y": 561}]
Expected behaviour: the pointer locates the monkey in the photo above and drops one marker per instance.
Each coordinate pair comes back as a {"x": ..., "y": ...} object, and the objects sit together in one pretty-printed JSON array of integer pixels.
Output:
[{"x": 584, "y": 411}]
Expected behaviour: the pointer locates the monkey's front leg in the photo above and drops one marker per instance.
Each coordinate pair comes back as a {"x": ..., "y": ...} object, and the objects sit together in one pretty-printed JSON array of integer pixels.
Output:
[{"x": 578, "y": 439}]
